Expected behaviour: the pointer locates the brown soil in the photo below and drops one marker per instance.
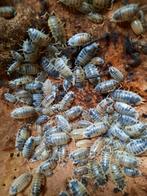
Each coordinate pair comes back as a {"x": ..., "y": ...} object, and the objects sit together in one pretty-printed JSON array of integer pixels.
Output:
[{"x": 12, "y": 32}]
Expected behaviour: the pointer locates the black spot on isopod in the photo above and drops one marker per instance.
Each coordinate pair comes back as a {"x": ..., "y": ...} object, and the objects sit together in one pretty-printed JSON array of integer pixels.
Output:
[{"x": 4, "y": 184}]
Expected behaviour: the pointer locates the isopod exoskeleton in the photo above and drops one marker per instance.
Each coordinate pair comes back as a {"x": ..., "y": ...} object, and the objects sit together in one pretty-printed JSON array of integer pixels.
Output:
[
  {"x": 79, "y": 39},
  {"x": 20, "y": 183},
  {"x": 23, "y": 112}
]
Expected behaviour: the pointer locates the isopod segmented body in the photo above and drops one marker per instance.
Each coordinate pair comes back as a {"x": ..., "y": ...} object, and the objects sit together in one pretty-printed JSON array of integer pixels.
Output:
[
  {"x": 126, "y": 13},
  {"x": 125, "y": 109},
  {"x": 57, "y": 139},
  {"x": 28, "y": 148},
  {"x": 37, "y": 37},
  {"x": 48, "y": 66},
  {"x": 20, "y": 183},
  {"x": 101, "y": 4},
  {"x": 79, "y": 171},
  {"x": 126, "y": 120},
  {"x": 67, "y": 100},
  {"x": 105, "y": 159},
  {"x": 62, "y": 123},
  {"x": 23, "y": 112},
  {"x": 73, "y": 112},
  {"x": 98, "y": 173},
  {"x": 77, "y": 188},
  {"x": 126, "y": 97},
  {"x": 85, "y": 8},
  {"x": 81, "y": 124},
  {"x": 95, "y": 116},
  {"x": 79, "y": 154},
  {"x": 20, "y": 81},
  {"x": 77, "y": 134},
  {"x": 106, "y": 105},
  {"x": 37, "y": 183},
  {"x": 86, "y": 54},
  {"x": 56, "y": 29},
  {"x": 66, "y": 85},
  {"x": 95, "y": 17},
  {"x": 132, "y": 172},
  {"x": 34, "y": 86},
  {"x": 117, "y": 176},
  {"x": 22, "y": 135},
  {"x": 79, "y": 39},
  {"x": 116, "y": 74},
  {"x": 62, "y": 67},
  {"x": 41, "y": 119},
  {"x": 135, "y": 130},
  {"x": 137, "y": 146},
  {"x": 47, "y": 166},
  {"x": 106, "y": 86},
  {"x": 86, "y": 143},
  {"x": 28, "y": 69},
  {"x": 37, "y": 99},
  {"x": 95, "y": 130},
  {"x": 97, "y": 61},
  {"x": 30, "y": 51},
  {"x": 119, "y": 133},
  {"x": 10, "y": 97},
  {"x": 96, "y": 147},
  {"x": 126, "y": 159},
  {"x": 92, "y": 73},
  {"x": 79, "y": 77},
  {"x": 7, "y": 12}
]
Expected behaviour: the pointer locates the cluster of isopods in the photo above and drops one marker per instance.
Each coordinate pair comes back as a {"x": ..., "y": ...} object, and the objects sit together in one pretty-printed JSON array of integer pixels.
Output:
[
  {"x": 107, "y": 138},
  {"x": 132, "y": 13}
]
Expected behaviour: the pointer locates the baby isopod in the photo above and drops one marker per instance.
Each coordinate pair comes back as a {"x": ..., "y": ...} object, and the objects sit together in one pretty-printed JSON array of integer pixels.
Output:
[
  {"x": 116, "y": 74},
  {"x": 132, "y": 172}
]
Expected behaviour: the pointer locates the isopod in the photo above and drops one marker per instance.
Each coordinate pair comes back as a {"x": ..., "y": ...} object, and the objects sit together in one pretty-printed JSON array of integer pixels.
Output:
[
  {"x": 137, "y": 146},
  {"x": 10, "y": 97},
  {"x": 77, "y": 188},
  {"x": 7, "y": 12},
  {"x": 28, "y": 69},
  {"x": 56, "y": 28},
  {"x": 117, "y": 132},
  {"x": 57, "y": 139},
  {"x": 135, "y": 130},
  {"x": 86, "y": 54},
  {"x": 34, "y": 86},
  {"x": 86, "y": 143},
  {"x": 67, "y": 100},
  {"x": 95, "y": 17},
  {"x": 96, "y": 147},
  {"x": 106, "y": 86},
  {"x": 132, "y": 172},
  {"x": 37, "y": 37},
  {"x": 105, "y": 159},
  {"x": 62, "y": 123},
  {"x": 79, "y": 39},
  {"x": 28, "y": 148},
  {"x": 22, "y": 135},
  {"x": 125, "y": 109},
  {"x": 78, "y": 154},
  {"x": 37, "y": 183},
  {"x": 79, "y": 171},
  {"x": 95, "y": 130},
  {"x": 102, "y": 4},
  {"x": 23, "y": 112},
  {"x": 126, "y": 159},
  {"x": 79, "y": 77},
  {"x": 92, "y": 73},
  {"x": 106, "y": 105},
  {"x": 116, "y": 74},
  {"x": 20, "y": 81},
  {"x": 126, "y": 13},
  {"x": 126, "y": 120},
  {"x": 117, "y": 176},
  {"x": 62, "y": 67},
  {"x": 73, "y": 112},
  {"x": 126, "y": 97},
  {"x": 20, "y": 183}
]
